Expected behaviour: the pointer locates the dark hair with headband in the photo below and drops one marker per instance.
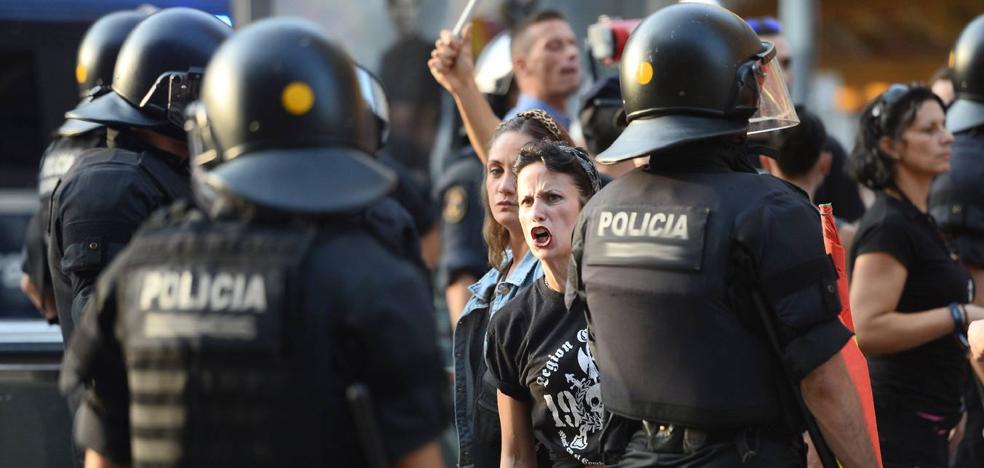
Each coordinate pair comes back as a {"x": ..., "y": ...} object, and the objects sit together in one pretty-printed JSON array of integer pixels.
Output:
[
  {"x": 538, "y": 126},
  {"x": 562, "y": 159},
  {"x": 889, "y": 115}
]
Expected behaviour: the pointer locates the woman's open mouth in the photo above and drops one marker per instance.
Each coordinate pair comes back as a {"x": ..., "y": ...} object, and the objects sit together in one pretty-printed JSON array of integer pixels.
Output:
[{"x": 541, "y": 236}]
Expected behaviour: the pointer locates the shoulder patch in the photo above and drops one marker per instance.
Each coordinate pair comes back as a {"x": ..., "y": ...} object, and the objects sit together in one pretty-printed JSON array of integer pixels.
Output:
[{"x": 455, "y": 204}]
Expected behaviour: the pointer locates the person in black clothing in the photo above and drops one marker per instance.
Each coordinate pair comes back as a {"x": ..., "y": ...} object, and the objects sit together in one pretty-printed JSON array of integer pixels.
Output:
[
  {"x": 537, "y": 351},
  {"x": 464, "y": 255},
  {"x": 94, "y": 72},
  {"x": 908, "y": 288},
  {"x": 708, "y": 295},
  {"x": 237, "y": 331},
  {"x": 102, "y": 200},
  {"x": 415, "y": 99},
  {"x": 411, "y": 199},
  {"x": 956, "y": 200}
]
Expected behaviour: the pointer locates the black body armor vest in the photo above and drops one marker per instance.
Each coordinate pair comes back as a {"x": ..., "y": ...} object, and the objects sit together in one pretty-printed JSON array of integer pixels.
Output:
[
  {"x": 214, "y": 365},
  {"x": 675, "y": 339},
  {"x": 57, "y": 159},
  {"x": 956, "y": 201}
]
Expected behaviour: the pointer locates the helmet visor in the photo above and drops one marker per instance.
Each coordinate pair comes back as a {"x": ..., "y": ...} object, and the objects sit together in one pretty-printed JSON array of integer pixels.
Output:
[
  {"x": 775, "y": 106},
  {"x": 204, "y": 152},
  {"x": 493, "y": 68},
  {"x": 372, "y": 93}
]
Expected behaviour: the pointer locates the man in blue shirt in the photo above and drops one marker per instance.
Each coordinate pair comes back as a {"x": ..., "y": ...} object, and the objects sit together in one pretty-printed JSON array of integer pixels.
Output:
[{"x": 546, "y": 67}]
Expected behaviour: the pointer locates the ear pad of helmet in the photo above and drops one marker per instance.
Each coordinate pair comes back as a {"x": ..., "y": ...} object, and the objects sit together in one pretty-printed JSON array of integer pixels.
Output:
[{"x": 746, "y": 97}]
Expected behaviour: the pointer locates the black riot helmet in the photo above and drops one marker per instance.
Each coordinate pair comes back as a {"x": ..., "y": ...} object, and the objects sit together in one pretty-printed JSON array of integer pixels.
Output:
[
  {"x": 158, "y": 71},
  {"x": 967, "y": 111},
  {"x": 282, "y": 123},
  {"x": 99, "y": 48},
  {"x": 693, "y": 71}
]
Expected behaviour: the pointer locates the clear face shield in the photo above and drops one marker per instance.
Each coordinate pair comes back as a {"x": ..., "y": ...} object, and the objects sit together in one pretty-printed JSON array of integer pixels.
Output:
[
  {"x": 203, "y": 151},
  {"x": 775, "y": 109},
  {"x": 375, "y": 99},
  {"x": 493, "y": 68},
  {"x": 201, "y": 145}
]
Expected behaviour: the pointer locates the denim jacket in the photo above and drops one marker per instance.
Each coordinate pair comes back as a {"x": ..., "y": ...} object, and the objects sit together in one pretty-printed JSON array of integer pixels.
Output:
[{"x": 472, "y": 326}]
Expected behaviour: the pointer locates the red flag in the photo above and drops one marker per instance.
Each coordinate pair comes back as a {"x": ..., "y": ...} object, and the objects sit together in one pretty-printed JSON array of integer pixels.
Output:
[{"x": 857, "y": 365}]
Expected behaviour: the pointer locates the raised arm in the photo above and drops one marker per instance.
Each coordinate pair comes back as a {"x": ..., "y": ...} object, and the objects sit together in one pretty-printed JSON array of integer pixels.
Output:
[{"x": 453, "y": 68}]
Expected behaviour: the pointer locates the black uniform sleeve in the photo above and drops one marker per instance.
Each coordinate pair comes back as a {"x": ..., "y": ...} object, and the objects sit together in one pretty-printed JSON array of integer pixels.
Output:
[
  {"x": 402, "y": 364},
  {"x": 409, "y": 194},
  {"x": 889, "y": 236},
  {"x": 463, "y": 250},
  {"x": 35, "y": 263},
  {"x": 94, "y": 359},
  {"x": 507, "y": 341},
  {"x": 99, "y": 210},
  {"x": 796, "y": 278}
]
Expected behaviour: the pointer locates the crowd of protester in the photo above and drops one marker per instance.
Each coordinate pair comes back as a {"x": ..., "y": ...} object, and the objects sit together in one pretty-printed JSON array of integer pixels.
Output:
[{"x": 496, "y": 230}]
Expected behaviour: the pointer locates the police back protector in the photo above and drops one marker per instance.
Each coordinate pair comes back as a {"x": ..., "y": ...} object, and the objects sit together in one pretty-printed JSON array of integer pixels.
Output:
[
  {"x": 673, "y": 344},
  {"x": 57, "y": 159},
  {"x": 209, "y": 314}
]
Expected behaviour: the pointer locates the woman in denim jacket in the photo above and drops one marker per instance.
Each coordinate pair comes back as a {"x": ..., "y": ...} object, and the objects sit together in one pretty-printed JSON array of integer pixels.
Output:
[{"x": 475, "y": 413}]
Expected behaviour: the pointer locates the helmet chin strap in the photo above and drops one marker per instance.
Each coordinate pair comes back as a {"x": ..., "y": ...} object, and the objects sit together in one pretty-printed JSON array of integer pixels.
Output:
[{"x": 761, "y": 148}]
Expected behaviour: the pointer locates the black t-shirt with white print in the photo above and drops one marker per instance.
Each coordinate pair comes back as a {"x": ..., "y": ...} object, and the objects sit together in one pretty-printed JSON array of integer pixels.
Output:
[{"x": 538, "y": 353}]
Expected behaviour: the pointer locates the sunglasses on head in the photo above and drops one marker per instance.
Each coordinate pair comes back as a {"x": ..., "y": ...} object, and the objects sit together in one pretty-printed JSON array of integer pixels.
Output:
[{"x": 887, "y": 99}]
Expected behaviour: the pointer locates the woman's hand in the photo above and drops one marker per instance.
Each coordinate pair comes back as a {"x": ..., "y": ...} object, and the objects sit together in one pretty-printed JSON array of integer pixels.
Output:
[
  {"x": 975, "y": 334},
  {"x": 451, "y": 61}
]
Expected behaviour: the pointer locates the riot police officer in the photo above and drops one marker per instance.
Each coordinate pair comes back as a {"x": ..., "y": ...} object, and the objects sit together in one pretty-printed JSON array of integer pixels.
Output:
[
  {"x": 102, "y": 200},
  {"x": 227, "y": 333},
  {"x": 93, "y": 72},
  {"x": 681, "y": 263},
  {"x": 407, "y": 209},
  {"x": 956, "y": 200}
]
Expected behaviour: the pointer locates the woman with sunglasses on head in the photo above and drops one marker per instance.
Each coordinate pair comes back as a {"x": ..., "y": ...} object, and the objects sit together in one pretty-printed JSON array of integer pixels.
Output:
[
  {"x": 909, "y": 293},
  {"x": 538, "y": 356},
  {"x": 515, "y": 269}
]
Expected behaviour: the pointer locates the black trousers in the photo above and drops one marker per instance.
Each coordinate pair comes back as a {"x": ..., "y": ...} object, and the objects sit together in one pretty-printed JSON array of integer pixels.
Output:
[
  {"x": 750, "y": 449},
  {"x": 970, "y": 453},
  {"x": 909, "y": 440}
]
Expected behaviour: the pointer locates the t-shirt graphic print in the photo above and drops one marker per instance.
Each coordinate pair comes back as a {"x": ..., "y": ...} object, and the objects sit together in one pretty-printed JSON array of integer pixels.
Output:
[{"x": 538, "y": 353}]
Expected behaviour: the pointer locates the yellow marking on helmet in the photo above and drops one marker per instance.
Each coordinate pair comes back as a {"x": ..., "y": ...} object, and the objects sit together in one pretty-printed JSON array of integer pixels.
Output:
[
  {"x": 951, "y": 60},
  {"x": 81, "y": 73},
  {"x": 297, "y": 98},
  {"x": 644, "y": 74}
]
